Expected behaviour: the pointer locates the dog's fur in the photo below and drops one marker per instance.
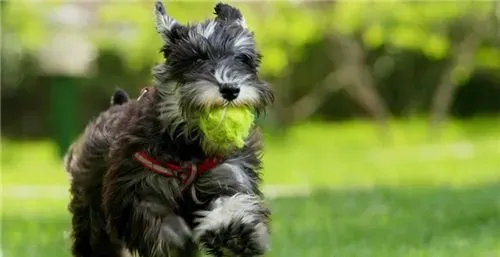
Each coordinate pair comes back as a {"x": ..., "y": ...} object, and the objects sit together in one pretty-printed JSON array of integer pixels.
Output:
[{"x": 118, "y": 204}]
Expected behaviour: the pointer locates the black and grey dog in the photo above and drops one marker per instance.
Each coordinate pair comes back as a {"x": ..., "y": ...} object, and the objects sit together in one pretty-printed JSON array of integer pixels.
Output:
[{"x": 141, "y": 179}]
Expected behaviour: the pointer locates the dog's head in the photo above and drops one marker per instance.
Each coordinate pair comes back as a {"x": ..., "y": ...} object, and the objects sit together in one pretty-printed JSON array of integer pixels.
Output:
[{"x": 210, "y": 64}]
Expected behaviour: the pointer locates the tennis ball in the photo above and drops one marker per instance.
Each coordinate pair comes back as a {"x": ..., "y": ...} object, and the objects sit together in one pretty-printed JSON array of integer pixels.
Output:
[{"x": 226, "y": 127}]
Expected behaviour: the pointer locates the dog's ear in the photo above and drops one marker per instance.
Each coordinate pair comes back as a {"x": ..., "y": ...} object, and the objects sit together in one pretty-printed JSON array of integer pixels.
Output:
[
  {"x": 119, "y": 97},
  {"x": 228, "y": 14},
  {"x": 163, "y": 22}
]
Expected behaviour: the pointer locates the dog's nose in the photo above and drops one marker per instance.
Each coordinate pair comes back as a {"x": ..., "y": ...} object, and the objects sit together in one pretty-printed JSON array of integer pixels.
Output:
[{"x": 229, "y": 91}]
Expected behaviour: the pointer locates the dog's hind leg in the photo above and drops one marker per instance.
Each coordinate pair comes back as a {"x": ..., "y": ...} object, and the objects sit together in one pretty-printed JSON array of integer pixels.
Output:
[
  {"x": 145, "y": 224},
  {"x": 102, "y": 243},
  {"x": 80, "y": 223},
  {"x": 89, "y": 235},
  {"x": 78, "y": 207},
  {"x": 90, "y": 240}
]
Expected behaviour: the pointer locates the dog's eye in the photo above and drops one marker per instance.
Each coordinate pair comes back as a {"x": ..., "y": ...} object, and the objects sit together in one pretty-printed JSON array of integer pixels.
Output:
[
  {"x": 244, "y": 58},
  {"x": 199, "y": 59},
  {"x": 198, "y": 62}
]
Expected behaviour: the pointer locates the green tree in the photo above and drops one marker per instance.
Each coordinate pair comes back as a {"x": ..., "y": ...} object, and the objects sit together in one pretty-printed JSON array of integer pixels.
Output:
[{"x": 454, "y": 31}]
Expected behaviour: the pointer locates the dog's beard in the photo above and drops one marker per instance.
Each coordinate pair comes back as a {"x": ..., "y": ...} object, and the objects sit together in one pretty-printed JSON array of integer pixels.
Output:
[{"x": 181, "y": 106}]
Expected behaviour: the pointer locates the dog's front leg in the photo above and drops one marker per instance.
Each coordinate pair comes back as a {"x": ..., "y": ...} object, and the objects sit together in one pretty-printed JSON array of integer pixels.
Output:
[
  {"x": 146, "y": 226},
  {"x": 235, "y": 222},
  {"x": 234, "y": 226}
]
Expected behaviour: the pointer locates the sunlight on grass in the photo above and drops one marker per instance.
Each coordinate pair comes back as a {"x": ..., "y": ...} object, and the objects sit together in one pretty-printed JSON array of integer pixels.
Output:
[
  {"x": 341, "y": 155},
  {"x": 31, "y": 163},
  {"x": 380, "y": 222},
  {"x": 351, "y": 154},
  {"x": 412, "y": 198}
]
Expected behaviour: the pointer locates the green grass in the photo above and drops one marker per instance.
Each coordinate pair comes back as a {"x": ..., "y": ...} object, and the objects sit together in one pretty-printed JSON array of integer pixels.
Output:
[
  {"x": 413, "y": 197},
  {"x": 347, "y": 154},
  {"x": 351, "y": 154},
  {"x": 382, "y": 222}
]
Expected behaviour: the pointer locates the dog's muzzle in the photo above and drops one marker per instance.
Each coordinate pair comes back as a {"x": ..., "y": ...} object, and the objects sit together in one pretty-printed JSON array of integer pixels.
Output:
[{"x": 229, "y": 91}]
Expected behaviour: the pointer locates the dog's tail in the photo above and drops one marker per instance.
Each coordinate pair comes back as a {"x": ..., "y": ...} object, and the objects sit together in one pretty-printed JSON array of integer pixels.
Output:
[{"x": 119, "y": 97}]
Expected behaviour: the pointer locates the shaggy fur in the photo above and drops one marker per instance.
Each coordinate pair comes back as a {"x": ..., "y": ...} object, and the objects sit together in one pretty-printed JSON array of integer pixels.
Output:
[{"x": 117, "y": 205}]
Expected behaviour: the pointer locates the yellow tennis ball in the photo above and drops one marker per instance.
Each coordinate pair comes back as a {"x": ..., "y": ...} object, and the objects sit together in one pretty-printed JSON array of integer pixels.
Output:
[{"x": 227, "y": 127}]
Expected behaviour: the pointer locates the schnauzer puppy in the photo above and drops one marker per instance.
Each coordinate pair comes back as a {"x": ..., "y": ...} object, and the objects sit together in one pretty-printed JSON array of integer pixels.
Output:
[{"x": 141, "y": 177}]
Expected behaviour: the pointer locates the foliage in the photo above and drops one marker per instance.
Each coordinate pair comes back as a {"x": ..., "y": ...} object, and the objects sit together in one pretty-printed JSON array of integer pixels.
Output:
[
  {"x": 22, "y": 32},
  {"x": 426, "y": 26},
  {"x": 420, "y": 26},
  {"x": 408, "y": 45},
  {"x": 138, "y": 41},
  {"x": 24, "y": 23},
  {"x": 282, "y": 28}
]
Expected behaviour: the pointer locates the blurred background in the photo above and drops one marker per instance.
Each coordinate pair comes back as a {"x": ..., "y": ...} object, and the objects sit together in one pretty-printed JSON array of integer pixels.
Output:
[{"x": 384, "y": 139}]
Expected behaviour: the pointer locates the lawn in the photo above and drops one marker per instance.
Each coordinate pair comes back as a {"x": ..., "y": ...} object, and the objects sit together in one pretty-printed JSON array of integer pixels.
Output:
[
  {"x": 410, "y": 198},
  {"x": 437, "y": 222}
]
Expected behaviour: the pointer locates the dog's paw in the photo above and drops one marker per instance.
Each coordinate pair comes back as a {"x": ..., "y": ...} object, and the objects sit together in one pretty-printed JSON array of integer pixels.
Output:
[
  {"x": 175, "y": 231},
  {"x": 238, "y": 239},
  {"x": 233, "y": 227}
]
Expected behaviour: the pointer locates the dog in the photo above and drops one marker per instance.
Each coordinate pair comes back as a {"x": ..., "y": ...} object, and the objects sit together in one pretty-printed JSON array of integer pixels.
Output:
[{"x": 142, "y": 181}]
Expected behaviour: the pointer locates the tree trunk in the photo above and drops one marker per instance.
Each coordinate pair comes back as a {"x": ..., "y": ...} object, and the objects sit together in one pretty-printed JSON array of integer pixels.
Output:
[
  {"x": 462, "y": 61},
  {"x": 308, "y": 104},
  {"x": 361, "y": 85}
]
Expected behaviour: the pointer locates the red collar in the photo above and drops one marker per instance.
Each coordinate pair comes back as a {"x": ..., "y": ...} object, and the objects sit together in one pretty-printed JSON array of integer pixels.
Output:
[{"x": 185, "y": 175}]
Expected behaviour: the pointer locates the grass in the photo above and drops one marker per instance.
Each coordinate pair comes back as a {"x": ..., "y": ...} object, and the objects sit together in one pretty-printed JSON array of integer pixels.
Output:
[
  {"x": 410, "y": 198},
  {"x": 346, "y": 155},
  {"x": 382, "y": 222}
]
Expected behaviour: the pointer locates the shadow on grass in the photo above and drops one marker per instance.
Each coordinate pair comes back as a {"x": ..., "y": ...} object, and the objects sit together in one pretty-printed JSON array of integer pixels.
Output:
[{"x": 349, "y": 223}]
